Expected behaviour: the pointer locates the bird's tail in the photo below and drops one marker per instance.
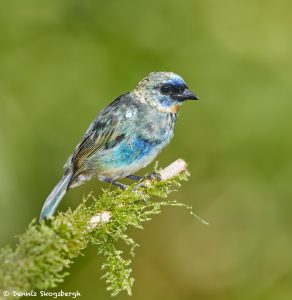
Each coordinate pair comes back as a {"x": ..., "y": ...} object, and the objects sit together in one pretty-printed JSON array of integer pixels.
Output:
[{"x": 55, "y": 197}]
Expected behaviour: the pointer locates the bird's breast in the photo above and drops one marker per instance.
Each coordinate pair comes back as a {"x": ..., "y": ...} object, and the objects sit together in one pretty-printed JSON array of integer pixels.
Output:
[
  {"x": 157, "y": 127},
  {"x": 129, "y": 156},
  {"x": 146, "y": 137}
]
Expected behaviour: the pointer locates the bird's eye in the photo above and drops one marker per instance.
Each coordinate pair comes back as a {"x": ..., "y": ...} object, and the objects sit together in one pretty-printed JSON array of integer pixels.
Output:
[
  {"x": 181, "y": 89},
  {"x": 171, "y": 89},
  {"x": 166, "y": 88}
]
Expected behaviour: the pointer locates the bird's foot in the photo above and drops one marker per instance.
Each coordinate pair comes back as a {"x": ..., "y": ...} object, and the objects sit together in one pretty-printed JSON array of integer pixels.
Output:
[
  {"x": 153, "y": 176},
  {"x": 145, "y": 183},
  {"x": 143, "y": 196},
  {"x": 139, "y": 185},
  {"x": 124, "y": 186}
]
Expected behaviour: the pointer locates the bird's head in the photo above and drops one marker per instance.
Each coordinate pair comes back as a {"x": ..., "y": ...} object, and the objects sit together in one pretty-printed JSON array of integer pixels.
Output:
[{"x": 164, "y": 90}]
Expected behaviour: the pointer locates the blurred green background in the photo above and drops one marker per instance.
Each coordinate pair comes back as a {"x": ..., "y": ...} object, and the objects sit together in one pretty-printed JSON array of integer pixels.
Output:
[{"x": 61, "y": 62}]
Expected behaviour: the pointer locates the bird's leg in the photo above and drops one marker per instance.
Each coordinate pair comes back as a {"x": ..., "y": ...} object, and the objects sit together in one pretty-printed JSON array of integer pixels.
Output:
[
  {"x": 155, "y": 175},
  {"x": 124, "y": 186},
  {"x": 114, "y": 182},
  {"x": 135, "y": 177},
  {"x": 152, "y": 176},
  {"x": 139, "y": 178}
]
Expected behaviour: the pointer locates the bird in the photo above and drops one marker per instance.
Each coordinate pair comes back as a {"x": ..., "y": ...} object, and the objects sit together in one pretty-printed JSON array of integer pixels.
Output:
[{"x": 125, "y": 137}]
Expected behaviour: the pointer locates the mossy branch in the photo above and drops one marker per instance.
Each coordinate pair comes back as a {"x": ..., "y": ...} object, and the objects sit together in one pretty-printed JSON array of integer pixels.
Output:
[{"x": 45, "y": 251}]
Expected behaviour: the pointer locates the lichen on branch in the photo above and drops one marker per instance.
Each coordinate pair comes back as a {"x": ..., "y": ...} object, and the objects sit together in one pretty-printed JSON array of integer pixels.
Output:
[{"x": 45, "y": 251}]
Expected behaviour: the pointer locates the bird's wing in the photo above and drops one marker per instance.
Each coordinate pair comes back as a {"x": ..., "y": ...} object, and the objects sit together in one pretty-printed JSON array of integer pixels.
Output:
[{"x": 107, "y": 131}]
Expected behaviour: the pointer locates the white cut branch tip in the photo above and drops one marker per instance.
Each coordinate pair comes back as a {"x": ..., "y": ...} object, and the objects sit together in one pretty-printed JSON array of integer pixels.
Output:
[
  {"x": 173, "y": 169},
  {"x": 100, "y": 219}
]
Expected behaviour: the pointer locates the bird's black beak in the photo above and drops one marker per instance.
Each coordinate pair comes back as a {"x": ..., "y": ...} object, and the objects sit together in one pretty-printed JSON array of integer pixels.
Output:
[{"x": 188, "y": 95}]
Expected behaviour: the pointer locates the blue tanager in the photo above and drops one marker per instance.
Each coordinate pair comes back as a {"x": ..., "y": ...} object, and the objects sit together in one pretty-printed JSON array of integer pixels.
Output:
[{"x": 126, "y": 136}]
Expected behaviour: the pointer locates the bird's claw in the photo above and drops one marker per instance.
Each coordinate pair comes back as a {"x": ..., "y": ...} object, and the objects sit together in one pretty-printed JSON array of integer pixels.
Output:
[
  {"x": 142, "y": 194},
  {"x": 155, "y": 175},
  {"x": 141, "y": 184},
  {"x": 146, "y": 184}
]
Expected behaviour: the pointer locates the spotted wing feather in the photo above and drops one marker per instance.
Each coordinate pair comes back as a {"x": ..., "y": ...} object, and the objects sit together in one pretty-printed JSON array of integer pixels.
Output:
[{"x": 107, "y": 131}]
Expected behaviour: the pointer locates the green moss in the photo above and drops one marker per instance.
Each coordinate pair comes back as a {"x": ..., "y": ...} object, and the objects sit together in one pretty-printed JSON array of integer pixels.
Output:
[{"x": 45, "y": 251}]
